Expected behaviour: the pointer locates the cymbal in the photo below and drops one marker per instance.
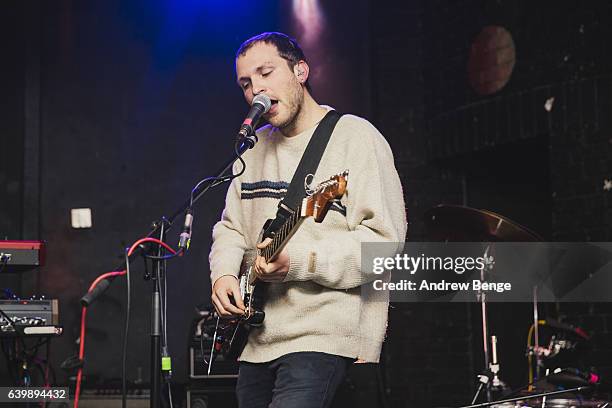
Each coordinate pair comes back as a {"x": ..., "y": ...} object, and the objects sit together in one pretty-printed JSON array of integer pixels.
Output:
[{"x": 456, "y": 223}]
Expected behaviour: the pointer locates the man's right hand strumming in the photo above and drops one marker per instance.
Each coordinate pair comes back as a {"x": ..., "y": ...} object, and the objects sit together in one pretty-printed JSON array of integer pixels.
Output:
[{"x": 226, "y": 297}]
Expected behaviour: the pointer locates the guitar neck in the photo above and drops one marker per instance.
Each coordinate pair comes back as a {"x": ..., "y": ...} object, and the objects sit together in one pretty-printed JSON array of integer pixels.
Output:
[{"x": 283, "y": 235}]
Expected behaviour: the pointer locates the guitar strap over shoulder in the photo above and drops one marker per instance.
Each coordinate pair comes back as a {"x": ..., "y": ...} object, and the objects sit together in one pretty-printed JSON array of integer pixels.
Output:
[{"x": 308, "y": 165}]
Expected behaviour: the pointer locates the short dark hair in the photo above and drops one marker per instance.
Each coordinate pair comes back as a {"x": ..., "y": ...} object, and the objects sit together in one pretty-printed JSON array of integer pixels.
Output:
[{"x": 287, "y": 48}]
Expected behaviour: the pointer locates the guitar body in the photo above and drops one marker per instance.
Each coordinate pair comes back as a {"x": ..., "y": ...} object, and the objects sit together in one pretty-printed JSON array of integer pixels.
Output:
[
  {"x": 236, "y": 331},
  {"x": 232, "y": 334}
]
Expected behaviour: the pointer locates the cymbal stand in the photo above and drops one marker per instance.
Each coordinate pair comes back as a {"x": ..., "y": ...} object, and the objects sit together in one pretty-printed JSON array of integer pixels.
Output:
[
  {"x": 483, "y": 379},
  {"x": 491, "y": 364},
  {"x": 482, "y": 296},
  {"x": 497, "y": 384},
  {"x": 536, "y": 331}
]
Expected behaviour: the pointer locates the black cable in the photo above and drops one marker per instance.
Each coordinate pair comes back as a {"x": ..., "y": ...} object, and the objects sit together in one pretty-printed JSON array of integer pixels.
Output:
[
  {"x": 202, "y": 323},
  {"x": 40, "y": 368},
  {"x": 164, "y": 257},
  {"x": 239, "y": 157},
  {"x": 163, "y": 291},
  {"x": 8, "y": 319},
  {"x": 49, "y": 366},
  {"x": 222, "y": 178},
  {"x": 21, "y": 339},
  {"x": 216, "y": 181},
  {"x": 4, "y": 261},
  {"x": 41, "y": 341},
  {"x": 125, "y": 334},
  {"x": 146, "y": 269},
  {"x": 170, "y": 394},
  {"x": 202, "y": 348},
  {"x": 165, "y": 309},
  {"x": 9, "y": 358},
  {"x": 160, "y": 288},
  {"x": 53, "y": 373}
]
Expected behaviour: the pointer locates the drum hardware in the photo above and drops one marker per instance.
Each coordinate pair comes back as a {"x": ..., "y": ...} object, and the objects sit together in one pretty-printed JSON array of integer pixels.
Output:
[
  {"x": 490, "y": 377},
  {"x": 497, "y": 384},
  {"x": 573, "y": 382},
  {"x": 536, "y": 327},
  {"x": 544, "y": 397},
  {"x": 450, "y": 223},
  {"x": 522, "y": 398},
  {"x": 462, "y": 224},
  {"x": 565, "y": 343},
  {"x": 555, "y": 346},
  {"x": 483, "y": 380}
]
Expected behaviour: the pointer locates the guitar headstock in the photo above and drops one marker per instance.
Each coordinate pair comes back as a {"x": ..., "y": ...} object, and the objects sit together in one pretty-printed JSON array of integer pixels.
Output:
[{"x": 317, "y": 204}]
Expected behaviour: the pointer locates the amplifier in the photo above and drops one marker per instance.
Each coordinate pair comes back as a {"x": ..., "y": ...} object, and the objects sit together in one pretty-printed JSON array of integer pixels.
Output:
[
  {"x": 221, "y": 368},
  {"x": 112, "y": 399},
  {"x": 200, "y": 344},
  {"x": 21, "y": 255},
  {"x": 26, "y": 313},
  {"x": 212, "y": 396}
]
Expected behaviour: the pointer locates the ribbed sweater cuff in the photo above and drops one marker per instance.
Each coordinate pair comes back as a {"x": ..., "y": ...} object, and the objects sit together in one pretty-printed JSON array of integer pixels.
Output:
[{"x": 215, "y": 276}]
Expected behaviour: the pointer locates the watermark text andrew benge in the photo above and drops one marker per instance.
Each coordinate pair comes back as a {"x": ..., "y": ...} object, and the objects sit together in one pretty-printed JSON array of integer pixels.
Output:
[{"x": 457, "y": 265}]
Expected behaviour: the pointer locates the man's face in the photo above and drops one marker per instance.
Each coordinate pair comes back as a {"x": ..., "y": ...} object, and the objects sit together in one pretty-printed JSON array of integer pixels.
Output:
[{"x": 262, "y": 70}]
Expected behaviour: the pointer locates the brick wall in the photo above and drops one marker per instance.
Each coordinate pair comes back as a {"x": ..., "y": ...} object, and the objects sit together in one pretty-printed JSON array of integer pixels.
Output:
[{"x": 543, "y": 165}]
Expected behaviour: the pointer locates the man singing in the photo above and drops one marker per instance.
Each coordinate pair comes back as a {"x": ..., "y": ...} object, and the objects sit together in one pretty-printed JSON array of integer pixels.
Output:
[{"x": 317, "y": 320}]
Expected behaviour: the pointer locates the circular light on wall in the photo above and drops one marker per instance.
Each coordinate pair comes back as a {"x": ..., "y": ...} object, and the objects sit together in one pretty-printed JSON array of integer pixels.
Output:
[{"x": 491, "y": 61}]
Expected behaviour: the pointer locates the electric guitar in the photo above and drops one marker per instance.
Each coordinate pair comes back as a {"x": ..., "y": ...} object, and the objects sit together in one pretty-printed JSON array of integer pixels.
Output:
[{"x": 231, "y": 335}]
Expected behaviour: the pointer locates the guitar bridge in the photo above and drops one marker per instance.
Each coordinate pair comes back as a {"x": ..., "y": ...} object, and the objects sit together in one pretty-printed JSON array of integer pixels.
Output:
[{"x": 253, "y": 317}]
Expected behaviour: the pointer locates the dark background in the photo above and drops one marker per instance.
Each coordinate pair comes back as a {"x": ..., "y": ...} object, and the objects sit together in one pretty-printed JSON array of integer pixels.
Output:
[{"x": 121, "y": 106}]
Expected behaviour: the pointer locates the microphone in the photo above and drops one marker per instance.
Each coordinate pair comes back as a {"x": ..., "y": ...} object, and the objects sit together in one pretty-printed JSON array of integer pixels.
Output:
[
  {"x": 185, "y": 236},
  {"x": 261, "y": 105}
]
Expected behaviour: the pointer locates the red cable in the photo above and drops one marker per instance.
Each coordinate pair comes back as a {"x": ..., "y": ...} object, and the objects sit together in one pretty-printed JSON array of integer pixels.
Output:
[
  {"x": 77, "y": 391},
  {"x": 157, "y": 241}
]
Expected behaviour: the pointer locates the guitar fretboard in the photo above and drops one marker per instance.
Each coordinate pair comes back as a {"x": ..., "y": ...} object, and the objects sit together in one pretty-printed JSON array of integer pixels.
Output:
[{"x": 282, "y": 235}]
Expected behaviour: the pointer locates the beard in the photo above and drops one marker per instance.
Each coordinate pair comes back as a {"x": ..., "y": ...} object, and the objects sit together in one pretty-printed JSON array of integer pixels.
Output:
[{"x": 294, "y": 106}]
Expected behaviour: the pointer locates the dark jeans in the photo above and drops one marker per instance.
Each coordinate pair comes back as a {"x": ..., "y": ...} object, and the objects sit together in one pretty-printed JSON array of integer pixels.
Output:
[{"x": 296, "y": 380}]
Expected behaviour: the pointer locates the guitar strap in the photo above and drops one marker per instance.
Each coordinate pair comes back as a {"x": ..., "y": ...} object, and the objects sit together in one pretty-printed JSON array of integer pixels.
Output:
[{"x": 308, "y": 165}]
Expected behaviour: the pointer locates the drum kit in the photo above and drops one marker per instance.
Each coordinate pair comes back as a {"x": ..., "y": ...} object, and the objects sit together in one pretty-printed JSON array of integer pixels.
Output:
[{"x": 552, "y": 346}]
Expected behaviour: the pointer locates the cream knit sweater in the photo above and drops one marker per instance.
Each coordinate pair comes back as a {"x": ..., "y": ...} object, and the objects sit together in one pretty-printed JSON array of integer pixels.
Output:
[{"x": 319, "y": 306}]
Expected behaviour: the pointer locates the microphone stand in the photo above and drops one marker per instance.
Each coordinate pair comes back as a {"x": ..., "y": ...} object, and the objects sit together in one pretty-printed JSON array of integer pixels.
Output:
[
  {"x": 156, "y": 324},
  {"x": 247, "y": 143},
  {"x": 159, "y": 230}
]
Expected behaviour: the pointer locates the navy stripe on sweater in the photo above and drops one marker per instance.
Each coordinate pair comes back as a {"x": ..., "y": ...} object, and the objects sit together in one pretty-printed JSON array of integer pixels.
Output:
[{"x": 275, "y": 190}]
